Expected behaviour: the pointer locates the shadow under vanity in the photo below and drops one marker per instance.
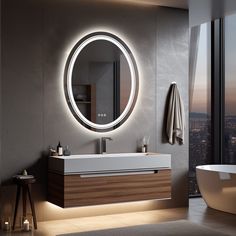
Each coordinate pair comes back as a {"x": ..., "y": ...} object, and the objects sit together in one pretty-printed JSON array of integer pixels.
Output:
[{"x": 82, "y": 180}]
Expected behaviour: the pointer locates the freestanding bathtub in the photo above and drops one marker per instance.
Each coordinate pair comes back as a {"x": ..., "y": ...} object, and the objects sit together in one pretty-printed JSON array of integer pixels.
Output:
[{"x": 217, "y": 184}]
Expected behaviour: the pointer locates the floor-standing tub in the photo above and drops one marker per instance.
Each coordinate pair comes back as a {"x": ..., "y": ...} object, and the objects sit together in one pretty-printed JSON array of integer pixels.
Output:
[{"x": 217, "y": 184}]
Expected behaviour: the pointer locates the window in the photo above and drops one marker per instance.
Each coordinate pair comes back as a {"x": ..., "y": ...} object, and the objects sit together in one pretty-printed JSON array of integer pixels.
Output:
[
  {"x": 229, "y": 156},
  {"x": 212, "y": 95},
  {"x": 200, "y": 103}
]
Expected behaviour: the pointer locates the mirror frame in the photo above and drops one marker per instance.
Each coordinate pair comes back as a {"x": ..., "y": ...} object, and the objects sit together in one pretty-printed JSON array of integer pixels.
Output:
[{"x": 79, "y": 46}]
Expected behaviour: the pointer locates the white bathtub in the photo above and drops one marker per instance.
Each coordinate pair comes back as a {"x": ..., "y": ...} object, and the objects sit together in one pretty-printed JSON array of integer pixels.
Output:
[{"x": 217, "y": 184}]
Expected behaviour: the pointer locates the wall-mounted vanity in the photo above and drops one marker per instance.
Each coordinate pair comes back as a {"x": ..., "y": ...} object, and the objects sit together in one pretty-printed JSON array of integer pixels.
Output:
[
  {"x": 82, "y": 180},
  {"x": 101, "y": 88}
]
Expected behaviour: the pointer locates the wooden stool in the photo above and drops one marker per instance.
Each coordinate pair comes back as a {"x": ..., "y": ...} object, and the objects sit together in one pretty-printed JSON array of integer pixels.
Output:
[{"x": 24, "y": 182}]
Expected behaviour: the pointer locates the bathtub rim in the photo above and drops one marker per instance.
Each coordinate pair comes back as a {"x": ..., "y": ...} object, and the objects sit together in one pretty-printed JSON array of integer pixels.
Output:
[{"x": 225, "y": 168}]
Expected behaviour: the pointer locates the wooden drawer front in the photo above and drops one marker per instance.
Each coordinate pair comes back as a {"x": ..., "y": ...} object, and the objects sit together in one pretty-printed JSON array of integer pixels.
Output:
[
  {"x": 56, "y": 189},
  {"x": 111, "y": 189}
]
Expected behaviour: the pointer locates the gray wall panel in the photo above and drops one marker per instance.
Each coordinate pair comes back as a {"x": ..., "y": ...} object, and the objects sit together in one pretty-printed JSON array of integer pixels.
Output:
[{"x": 172, "y": 64}]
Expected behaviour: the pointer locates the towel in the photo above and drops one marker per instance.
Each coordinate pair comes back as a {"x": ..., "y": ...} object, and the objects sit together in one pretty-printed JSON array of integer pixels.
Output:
[{"x": 175, "y": 117}]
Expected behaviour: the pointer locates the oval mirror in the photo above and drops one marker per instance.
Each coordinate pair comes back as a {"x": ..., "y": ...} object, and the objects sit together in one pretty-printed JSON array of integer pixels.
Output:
[{"x": 101, "y": 81}]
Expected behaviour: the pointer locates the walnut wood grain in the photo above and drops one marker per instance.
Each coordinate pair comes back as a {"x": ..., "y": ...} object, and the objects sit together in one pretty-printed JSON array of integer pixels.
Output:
[{"x": 72, "y": 190}]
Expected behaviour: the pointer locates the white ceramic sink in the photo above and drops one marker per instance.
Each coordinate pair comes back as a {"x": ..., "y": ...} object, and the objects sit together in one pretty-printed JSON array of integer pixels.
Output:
[{"x": 106, "y": 163}]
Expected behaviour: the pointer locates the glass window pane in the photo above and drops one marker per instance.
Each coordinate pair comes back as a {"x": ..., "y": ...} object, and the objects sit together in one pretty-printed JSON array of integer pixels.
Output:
[
  {"x": 230, "y": 90},
  {"x": 200, "y": 109}
]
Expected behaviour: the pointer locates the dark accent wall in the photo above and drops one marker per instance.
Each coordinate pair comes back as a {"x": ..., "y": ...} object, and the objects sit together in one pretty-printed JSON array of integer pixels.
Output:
[
  {"x": 0, "y": 92},
  {"x": 36, "y": 39}
]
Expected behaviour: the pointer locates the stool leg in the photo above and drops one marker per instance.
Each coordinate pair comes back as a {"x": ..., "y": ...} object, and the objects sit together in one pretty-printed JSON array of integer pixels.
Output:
[
  {"x": 16, "y": 205},
  {"x": 24, "y": 197},
  {"x": 32, "y": 207}
]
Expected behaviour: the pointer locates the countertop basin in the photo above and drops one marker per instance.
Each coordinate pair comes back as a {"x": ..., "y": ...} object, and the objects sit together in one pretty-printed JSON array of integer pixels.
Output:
[{"x": 106, "y": 163}]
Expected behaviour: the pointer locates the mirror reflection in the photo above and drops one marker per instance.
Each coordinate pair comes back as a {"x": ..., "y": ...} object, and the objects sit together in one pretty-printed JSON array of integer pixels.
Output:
[{"x": 101, "y": 82}]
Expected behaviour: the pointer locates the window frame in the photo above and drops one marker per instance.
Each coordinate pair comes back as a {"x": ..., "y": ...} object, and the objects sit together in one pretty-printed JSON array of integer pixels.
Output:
[{"x": 217, "y": 89}]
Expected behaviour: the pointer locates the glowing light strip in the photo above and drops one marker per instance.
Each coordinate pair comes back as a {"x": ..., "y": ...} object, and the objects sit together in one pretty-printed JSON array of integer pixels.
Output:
[{"x": 69, "y": 81}]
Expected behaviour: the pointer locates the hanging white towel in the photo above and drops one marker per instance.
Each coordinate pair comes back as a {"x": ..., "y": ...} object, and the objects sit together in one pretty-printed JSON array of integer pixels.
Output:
[{"x": 175, "y": 117}]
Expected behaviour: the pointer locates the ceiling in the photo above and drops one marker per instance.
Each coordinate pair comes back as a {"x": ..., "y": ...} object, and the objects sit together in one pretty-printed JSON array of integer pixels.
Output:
[{"x": 167, "y": 3}]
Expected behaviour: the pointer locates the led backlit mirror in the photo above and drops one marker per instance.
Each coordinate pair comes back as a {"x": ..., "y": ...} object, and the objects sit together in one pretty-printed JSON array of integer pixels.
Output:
[{"x": 101, "y": 81}]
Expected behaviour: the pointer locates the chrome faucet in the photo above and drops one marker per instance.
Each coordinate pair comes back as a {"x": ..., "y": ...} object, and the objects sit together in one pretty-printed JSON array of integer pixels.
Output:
[{"x": 104, "y": 144}]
